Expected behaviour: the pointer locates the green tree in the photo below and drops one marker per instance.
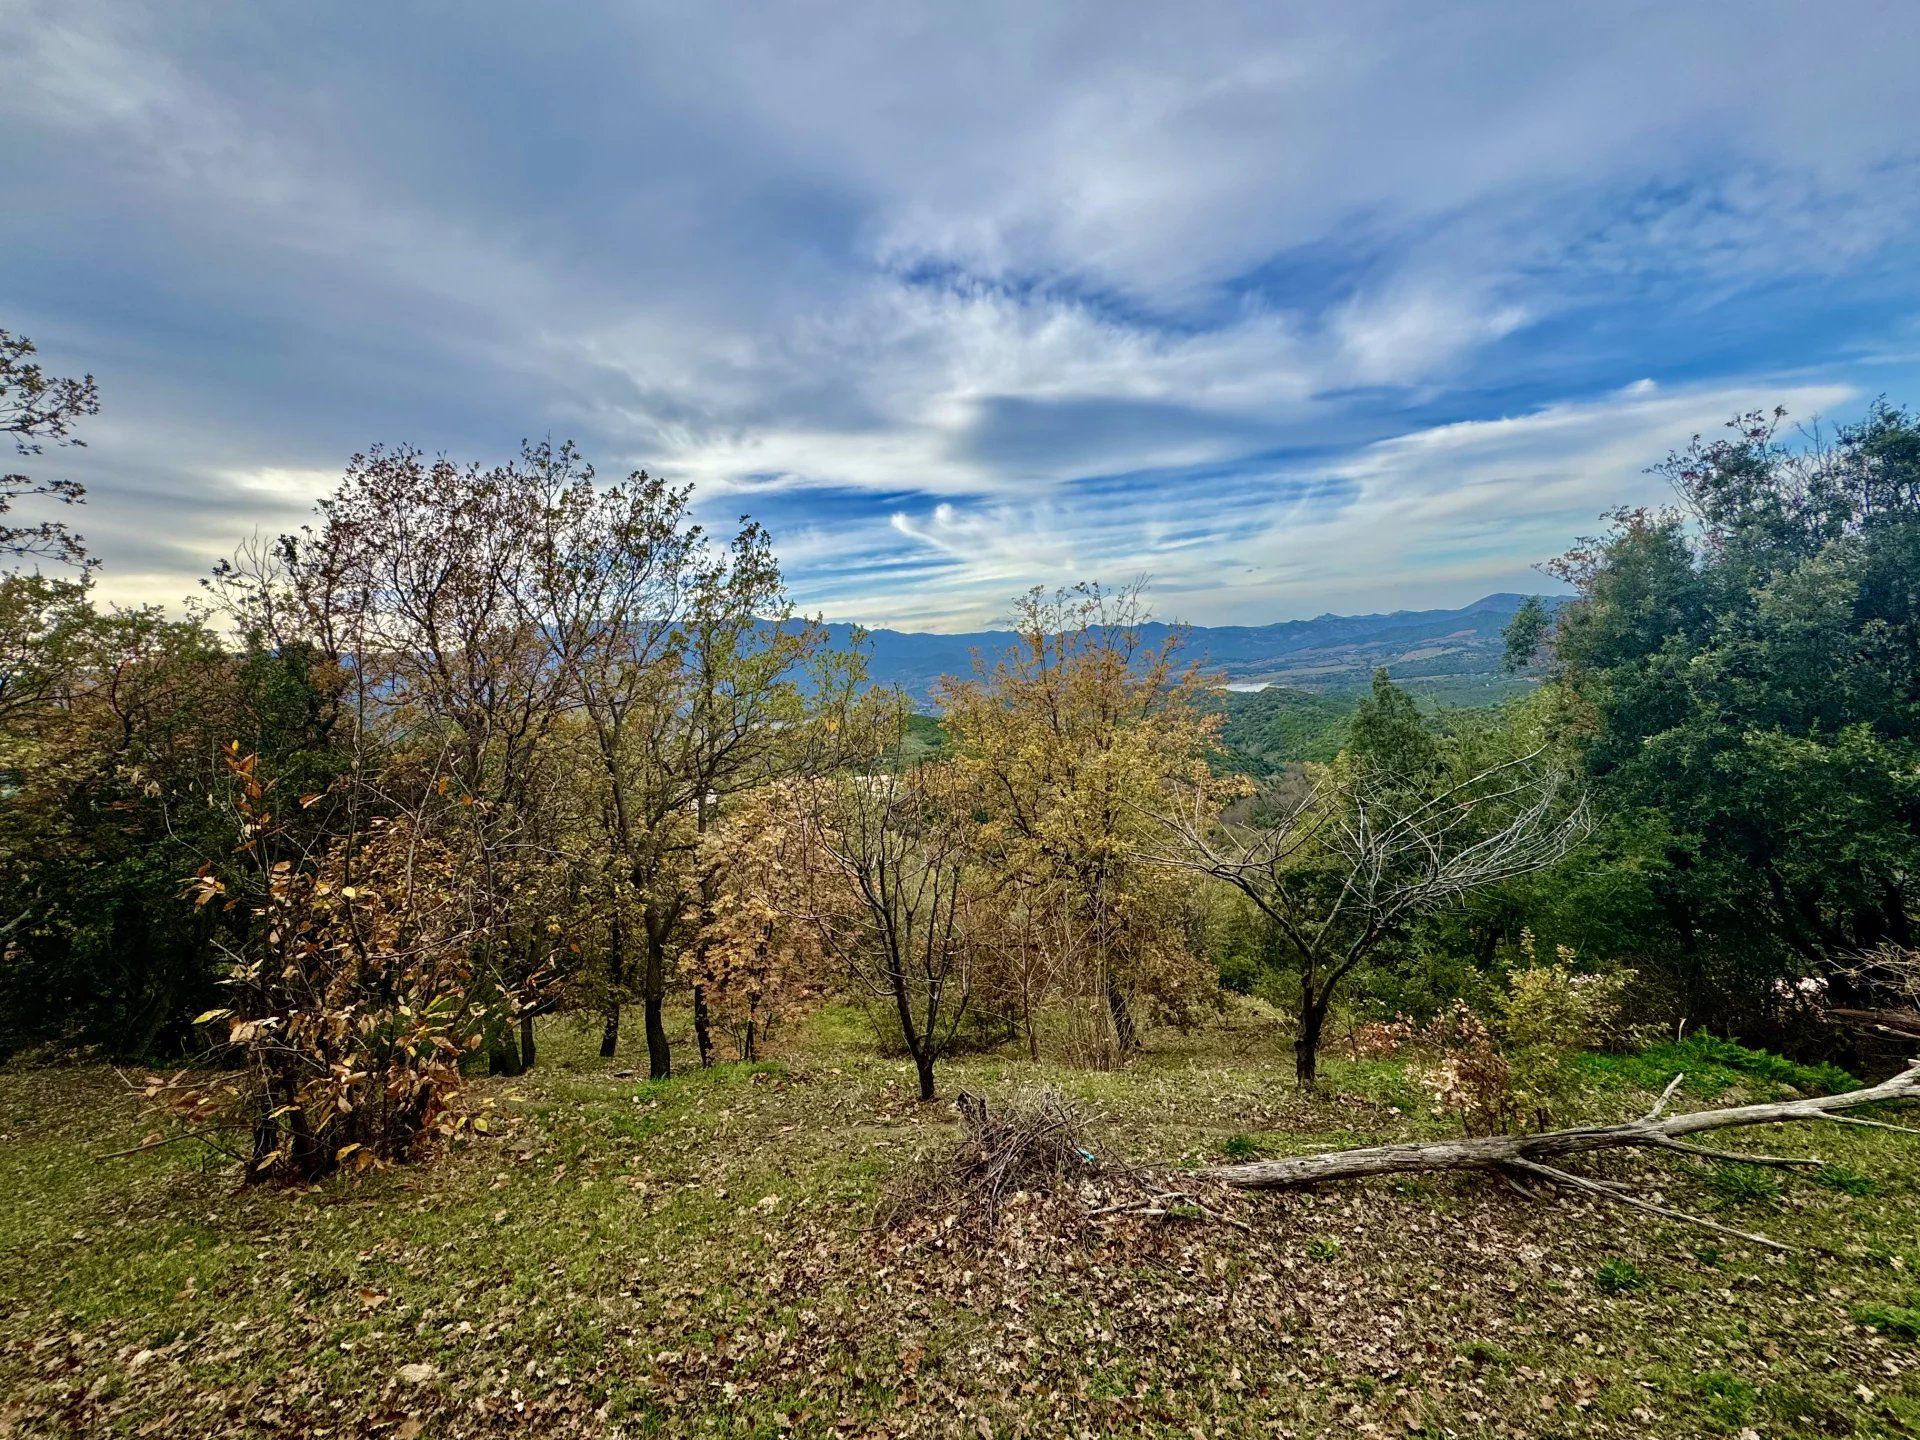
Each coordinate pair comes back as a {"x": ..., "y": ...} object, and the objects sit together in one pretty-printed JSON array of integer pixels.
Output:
[{"x": 1743, "y": 673}]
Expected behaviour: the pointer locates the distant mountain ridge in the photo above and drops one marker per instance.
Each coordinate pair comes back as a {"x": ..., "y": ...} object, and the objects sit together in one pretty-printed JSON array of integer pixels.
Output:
[{"x": 1451, "y": 654}]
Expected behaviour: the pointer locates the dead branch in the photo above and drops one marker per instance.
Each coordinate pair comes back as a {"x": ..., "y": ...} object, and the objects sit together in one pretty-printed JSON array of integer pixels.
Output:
[
  {"x": 1619, "y": 1194},
  {"x": 1528, "y": 1155}
]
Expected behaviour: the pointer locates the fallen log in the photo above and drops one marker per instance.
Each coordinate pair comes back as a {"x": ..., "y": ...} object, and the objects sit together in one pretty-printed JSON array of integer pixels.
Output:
[
  {"x": 1900, "y": 1024},
  {"x": 1521, "y": 1157}
]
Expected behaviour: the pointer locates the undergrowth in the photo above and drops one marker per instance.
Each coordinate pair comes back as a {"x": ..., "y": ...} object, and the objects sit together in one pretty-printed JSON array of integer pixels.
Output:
[{"x": 1713, "y": 1066}]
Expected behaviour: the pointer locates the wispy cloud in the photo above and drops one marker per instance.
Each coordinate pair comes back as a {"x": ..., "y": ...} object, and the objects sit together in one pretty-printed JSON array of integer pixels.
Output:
[{"x": 1291, "y": 310}]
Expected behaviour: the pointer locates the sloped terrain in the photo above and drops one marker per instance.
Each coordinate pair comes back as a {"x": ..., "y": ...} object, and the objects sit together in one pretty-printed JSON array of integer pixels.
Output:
[{"x": 700, "y": 1257}]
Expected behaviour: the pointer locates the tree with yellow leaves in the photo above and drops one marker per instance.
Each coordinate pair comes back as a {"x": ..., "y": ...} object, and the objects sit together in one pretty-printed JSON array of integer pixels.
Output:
[
  {"x": 759, "y": 959},
  {"x": 1064, "y": 745}
]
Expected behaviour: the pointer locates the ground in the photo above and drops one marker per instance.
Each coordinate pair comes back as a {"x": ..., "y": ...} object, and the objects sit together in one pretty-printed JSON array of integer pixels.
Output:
[{"x": 700, "y": 1256}]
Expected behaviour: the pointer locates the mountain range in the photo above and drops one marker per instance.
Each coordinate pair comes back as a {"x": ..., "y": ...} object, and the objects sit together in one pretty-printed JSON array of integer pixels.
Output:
[{"x": 1451, "y": 656}]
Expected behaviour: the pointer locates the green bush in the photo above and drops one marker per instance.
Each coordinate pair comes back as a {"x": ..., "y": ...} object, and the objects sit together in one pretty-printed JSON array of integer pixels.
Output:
[{"x": 1547, "y": 1015}]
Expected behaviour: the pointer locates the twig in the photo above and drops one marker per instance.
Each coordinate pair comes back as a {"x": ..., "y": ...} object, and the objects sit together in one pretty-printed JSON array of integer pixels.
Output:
[
  {"x": 1871, "y": 1124},
  {"x": 200, "y": 1135},
  {"x": 1666, "y": 1095},
  {"x": 1740, "y": 1157},
  {"x": 1618, "y": 1193}
]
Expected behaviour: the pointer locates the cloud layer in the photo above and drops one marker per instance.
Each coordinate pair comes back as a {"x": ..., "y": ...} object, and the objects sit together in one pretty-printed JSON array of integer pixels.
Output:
[{"x": 1351, "y": 307}]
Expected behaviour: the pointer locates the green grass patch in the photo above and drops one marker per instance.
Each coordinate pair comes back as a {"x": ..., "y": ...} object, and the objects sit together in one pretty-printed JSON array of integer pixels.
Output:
[
  {"x": 1743, "y": 1184},
  {"x": 1729, "y": 1399},
  {"x": 1241, "y": 1147},
  {"x": 1842, "y": 1179},
  {"x": 703, "y": 1256},
  {"x": 1712, "y": 1067},
  {"x": 1617, "y": 1276},
  {"x": 1900, "y": 1321}
]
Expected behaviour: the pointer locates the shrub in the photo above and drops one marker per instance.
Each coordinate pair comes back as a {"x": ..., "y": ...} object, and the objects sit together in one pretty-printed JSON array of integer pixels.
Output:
[
  {"x": 1547, "y": 1015},
  {"x": 1471, "y": 1080},
  {"x": 1522, "y": 1067},
  {"x": 352, "y": 1004}
]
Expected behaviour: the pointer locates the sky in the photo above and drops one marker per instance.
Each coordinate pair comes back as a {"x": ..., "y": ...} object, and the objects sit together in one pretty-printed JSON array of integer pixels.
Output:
[{"x": 1288, "y": 308}]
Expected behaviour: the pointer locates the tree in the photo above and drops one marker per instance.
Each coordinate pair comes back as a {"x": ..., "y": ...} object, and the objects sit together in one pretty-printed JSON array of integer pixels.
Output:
[
  {"x": 685, "y": 664},
  {"x": 887, "y": 895},
  {"x": 1064, "y": 744},
  {"x": 1340, "y": 864},
  {"x": 38, "y": 409},
  {"x": 1387, "y": 738},
  {"x": 430, "y": 570},
  {"x": 1743, "y": 671},
  {"x": 759, "y": 956},
  {"x": 110, "y": 723}
]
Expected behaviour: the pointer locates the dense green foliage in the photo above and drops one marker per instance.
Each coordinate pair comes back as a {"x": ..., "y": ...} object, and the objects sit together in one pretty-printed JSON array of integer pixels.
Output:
[
  {"x": 1740, "y": 680},
  {"x": 1268, "y": 729}
]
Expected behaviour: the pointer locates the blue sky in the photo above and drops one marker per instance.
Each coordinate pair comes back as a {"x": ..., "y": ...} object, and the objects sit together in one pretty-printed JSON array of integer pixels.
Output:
[{"x": 1292, "y": 309}]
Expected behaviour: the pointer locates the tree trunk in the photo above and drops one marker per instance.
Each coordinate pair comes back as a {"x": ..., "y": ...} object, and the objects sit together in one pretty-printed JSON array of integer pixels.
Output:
[
  {"x": 526, "y": 1042},
  {"x": 1306, "y": 1041},
  {"x": 923, "y": 1064},
  {"x": 659, "y": 1055},
  {"x": 503, "y": 1052},
  {"x": 1524, "y": 1157},
  {"x": 610, "y": 1032},
  {"x": 616, "y": 985},
  {"x": 703, "y": 1029},
  {"x": 1125, "y": 1035}
]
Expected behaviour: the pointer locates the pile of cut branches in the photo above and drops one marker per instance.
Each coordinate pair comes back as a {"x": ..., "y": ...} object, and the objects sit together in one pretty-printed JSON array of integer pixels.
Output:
[
  {"x": 1025, "y": 1144},
  {"x": 1027, "y": 1152}
]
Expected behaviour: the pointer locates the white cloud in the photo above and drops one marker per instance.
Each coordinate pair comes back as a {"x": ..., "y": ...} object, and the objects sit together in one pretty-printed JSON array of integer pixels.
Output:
[{"x": 968, "y": 265}]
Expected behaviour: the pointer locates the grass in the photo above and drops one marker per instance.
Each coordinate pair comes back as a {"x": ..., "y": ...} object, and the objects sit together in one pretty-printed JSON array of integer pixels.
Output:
[
  {"x": 1713, "y": 1066},
  {"x": 698, "y": 1256},
  {"x": 1617, "y": 1276}
]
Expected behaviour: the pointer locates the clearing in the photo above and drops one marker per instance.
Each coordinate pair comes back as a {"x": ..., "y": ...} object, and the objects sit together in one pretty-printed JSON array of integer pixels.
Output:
[{"x": 700, "y": 1256}]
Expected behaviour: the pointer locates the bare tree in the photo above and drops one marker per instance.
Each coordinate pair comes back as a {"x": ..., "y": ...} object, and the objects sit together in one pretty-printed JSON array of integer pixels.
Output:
[
  {"x": 889, "y": 899},
  {"x": 1341, "y": 864}
]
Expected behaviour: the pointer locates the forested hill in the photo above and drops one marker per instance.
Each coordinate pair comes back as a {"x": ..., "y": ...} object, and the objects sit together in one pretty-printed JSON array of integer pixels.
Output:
[{"x": 1451, "y": 654}]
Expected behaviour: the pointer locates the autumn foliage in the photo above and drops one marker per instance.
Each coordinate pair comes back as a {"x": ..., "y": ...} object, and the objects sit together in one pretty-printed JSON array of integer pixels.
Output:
[{"x": 353, "y": 998}]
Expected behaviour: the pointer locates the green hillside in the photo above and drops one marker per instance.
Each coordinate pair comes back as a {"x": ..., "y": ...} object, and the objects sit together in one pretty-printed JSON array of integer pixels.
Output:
[{"x": 1271, "y": 728}]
